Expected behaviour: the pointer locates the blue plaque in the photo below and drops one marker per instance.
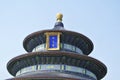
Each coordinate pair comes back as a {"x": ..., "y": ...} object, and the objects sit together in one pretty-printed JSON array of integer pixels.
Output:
[{"x": 53, "y": 41}]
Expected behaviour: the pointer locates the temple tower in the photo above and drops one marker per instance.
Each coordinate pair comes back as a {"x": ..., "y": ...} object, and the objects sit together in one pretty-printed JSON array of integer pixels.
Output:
[{"x": 56, "y": 54}]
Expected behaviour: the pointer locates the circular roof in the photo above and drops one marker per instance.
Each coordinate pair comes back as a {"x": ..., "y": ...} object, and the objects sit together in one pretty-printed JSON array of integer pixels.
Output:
[
  {"x": 95, "y": 66},
  {"x": 69, "y": 37}
]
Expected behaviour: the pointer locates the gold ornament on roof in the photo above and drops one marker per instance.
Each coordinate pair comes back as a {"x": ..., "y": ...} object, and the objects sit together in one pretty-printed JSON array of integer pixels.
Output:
[{"x": 59, "y": 17}]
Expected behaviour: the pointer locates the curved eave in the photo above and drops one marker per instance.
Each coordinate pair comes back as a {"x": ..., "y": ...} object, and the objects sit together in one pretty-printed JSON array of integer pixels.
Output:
[
  {"x": 73, "y": 38},
  {"x": 93, "y": 64}
]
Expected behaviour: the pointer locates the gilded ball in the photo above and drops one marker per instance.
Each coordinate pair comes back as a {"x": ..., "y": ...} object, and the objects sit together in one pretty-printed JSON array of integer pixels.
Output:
[{"x": 59, "y": 16}]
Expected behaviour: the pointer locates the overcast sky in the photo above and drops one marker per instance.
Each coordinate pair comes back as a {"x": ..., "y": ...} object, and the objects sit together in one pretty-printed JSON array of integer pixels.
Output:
[{"x": 97, "y": 19}]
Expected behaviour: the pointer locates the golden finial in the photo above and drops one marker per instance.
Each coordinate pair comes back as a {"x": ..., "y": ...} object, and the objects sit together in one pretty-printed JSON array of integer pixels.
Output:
[{"x": 59, "y": 17}]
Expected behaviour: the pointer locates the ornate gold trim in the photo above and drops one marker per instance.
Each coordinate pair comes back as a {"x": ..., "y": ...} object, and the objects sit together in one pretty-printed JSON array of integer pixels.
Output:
[{"x": 47, "y": 40}]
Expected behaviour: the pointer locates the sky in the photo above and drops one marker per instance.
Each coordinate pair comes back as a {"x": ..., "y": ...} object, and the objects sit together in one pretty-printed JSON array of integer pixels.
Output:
[{"x": 97, "y": 19}]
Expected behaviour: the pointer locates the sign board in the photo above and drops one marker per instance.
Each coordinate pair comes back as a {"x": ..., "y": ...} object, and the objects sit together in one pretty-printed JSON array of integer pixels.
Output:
[{"x": 52, "y": 40}]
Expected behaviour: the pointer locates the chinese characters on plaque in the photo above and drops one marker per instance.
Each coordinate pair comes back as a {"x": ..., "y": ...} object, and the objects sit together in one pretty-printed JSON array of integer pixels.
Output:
[{"x": 52, "y": 40}]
